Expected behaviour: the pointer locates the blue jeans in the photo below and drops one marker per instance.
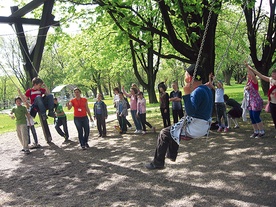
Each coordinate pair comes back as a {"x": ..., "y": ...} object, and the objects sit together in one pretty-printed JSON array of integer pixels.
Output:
[
  {"x": 62, "y": 121},
  {"x": 82, "y": 124},
  {"x": 44, "y": 103},
  {"x": 136, "y": 121}
]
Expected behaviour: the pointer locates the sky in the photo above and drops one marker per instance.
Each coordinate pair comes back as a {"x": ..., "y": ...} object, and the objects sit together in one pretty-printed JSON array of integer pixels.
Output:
[{"x": 6, "y": 30}]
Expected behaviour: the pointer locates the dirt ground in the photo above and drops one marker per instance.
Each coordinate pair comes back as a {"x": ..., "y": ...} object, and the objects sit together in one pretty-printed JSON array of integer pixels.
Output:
[{"x": 227, "y": 169}]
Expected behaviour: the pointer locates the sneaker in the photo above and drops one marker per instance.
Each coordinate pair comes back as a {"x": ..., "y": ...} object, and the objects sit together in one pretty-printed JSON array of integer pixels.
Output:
[
  {"x": 83, "y": 147},
  {"x": 220, "y": 129},
  {"x": 51, "y": 114},
  {"x": 129, "y": 127},
  {"x": 34, "y": 146},
  {"x": 254, "y": 135},
  {"x": 260, "y": 135},
  {"x": 154, "y": 129},
  {"x": 226, "y": 129},
  {"x": 87, "y": 145},
  {"x": 27, "y": 152},
  {"x": 118, "y": 128},
  {"x": 236, "y": 127},
  {"x": 143, "y": 132},
  {"x": 136, "y": 131},
  {"x": 152, "y": 166}
]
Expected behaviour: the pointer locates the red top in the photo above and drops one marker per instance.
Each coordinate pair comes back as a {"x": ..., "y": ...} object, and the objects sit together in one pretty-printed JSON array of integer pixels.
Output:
[
  {"x": 32, "y": 93},
  {"x": 79, "y": 107}
]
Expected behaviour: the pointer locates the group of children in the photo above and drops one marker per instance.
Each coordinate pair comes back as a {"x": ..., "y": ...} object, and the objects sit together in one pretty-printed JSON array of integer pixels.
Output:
[
  {"x": 137, "y": 108},
  {"x": 40, "y": 101}
]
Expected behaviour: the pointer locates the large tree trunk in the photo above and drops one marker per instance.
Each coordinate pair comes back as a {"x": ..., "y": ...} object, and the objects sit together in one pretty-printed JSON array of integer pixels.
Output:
[{"x": 254, "y": 18}]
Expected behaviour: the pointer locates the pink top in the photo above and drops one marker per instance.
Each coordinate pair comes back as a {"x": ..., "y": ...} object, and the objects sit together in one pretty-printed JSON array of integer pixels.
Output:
[
  {"x": 141, "y": 106},
  {"x": 133, "y": 100}
]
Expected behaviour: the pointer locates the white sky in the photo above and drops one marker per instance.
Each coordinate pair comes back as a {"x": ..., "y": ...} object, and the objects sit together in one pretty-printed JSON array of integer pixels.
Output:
[{"x": 6, "y": 30}]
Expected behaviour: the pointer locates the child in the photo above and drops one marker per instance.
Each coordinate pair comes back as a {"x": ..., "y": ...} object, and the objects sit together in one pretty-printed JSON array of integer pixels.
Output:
[
  {"x": 41, "y": 98},
  {"x": 30, "y": 126},
  {"x": 20, "y": 113},
  {"x": 116, "y": 99},
  {"x": 133, "y": 107},
  {"x": 176, "y": 99},
  {"x": 234, "y": 112},
  {"x": 141, "y": 112},
  {"x": 121, "y": 110},
  {"x": 100, "y": 114},
  {"x": 164, "y": 104},
  {"x": 219, "y": 104},
  {"x": 61, "y": 119}
]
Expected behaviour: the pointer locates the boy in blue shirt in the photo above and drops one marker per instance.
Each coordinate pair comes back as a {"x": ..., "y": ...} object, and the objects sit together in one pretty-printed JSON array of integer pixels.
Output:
[{"x": 198, "y": 101}]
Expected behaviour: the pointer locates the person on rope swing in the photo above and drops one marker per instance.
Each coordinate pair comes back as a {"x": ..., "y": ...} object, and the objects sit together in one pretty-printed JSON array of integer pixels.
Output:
[
  {"x": 41, "y": 99},
  {"x": 198, "y": 102}
]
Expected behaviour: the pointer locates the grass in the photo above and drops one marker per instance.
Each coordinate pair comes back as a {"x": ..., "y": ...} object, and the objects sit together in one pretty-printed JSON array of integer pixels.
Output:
[{"x": 234, "y": 91}]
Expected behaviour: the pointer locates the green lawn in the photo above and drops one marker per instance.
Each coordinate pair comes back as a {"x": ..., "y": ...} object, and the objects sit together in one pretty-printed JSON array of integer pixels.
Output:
[{"x": 234, "y": 91}]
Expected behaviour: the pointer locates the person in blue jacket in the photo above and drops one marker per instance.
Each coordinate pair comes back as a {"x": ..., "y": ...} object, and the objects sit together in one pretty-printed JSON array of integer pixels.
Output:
[{"x": 100, "y": 115}]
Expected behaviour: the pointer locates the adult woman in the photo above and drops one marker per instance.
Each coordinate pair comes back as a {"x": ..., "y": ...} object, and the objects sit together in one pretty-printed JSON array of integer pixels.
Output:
[
  {"x": 80, "y": 117},
  {"x": 255, "y": 104},
  {"x": 271, "y": 92}
]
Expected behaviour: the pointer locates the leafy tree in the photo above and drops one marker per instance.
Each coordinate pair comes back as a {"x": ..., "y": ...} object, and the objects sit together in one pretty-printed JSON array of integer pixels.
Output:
[{"x": 261, "y": 28}]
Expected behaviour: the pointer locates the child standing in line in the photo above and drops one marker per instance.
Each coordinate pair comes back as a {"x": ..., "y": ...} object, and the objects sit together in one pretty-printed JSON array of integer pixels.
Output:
[
  {"x": 100, "y": 114},
  {"x": 176, "y": 99},
  {"x": 141, "y": 112},
  {"x": 31, "y": 127},
  {"x": 121, "y": 110},
  {"x": 117, "y": 98},
  {"x": 133, "y": 107},
  {"x": 20, "y": 113},
  {"x": 219, "y": 104},
  {"x": 164, "y": 104},
  {"x": 61, "y": 119}
]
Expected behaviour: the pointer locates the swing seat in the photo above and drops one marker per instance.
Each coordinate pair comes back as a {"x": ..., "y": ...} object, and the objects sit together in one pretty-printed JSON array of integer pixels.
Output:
[{"x": 185, "y": 138}]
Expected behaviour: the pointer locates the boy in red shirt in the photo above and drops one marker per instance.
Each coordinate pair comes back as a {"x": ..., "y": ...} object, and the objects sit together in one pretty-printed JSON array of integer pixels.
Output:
[{"x": 41, "y": 98}]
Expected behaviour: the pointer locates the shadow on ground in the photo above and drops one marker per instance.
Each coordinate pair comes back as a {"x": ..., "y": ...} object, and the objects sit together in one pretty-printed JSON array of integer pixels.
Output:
[{"x": 227, "y": 169}]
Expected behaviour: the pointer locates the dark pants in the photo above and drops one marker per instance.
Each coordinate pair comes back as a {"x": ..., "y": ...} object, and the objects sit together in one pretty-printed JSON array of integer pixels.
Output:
[
  {"x": 165, "y": 117},
  {"x": 144, "y": 122},
  {"x": 32, "y": 128},
  {"x": 44, "y": 103},
  {"x": 122, "y": 123},
  {"x": 177, "y": 114},
  {"x": 273, "y": 113},
  {"x": 62, "y": 121},
  {"x": 101, "y": 126},
  {"x": 221, "y": 113},
  {"x": 82, "y": 125},
  {"x": 165, "y": 145}
]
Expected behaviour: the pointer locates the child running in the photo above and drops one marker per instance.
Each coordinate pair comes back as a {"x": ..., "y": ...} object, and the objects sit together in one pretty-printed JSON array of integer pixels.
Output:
[{"x": 61, "y": 119}]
